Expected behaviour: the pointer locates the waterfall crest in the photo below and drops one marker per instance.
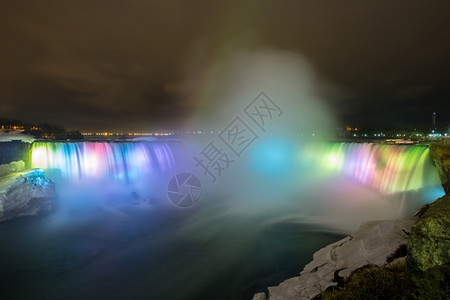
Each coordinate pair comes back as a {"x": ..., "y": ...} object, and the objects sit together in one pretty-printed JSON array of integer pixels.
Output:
[
  {"x": 386, "y": 168},
  {"x": 116, "y": 161}
]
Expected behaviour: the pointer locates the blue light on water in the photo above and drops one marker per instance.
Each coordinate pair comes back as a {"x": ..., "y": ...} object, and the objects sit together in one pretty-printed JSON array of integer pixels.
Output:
[
  {"x": 430, "y": 194},
  {"x": 272, "y": 157}
]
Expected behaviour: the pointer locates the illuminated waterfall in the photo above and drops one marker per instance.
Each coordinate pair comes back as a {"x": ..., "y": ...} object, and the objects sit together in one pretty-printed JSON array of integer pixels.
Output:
[
  {"x": 386, "y": 168},
  {"x": 121, "y": 161}
]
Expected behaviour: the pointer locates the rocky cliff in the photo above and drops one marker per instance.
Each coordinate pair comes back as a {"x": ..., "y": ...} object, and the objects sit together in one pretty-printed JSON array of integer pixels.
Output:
[
  {"x": 429, "y": 252},
  {"x": 15, "y": 150},
  {"x": 429, "y": 245},
  {"x": 25, "y": 194},
  {"x": 374, "y": 243},
  {"x": 440, "y": 154},
  {"x": 12, "y": 167},
  {"x": 425, "y": 238}
]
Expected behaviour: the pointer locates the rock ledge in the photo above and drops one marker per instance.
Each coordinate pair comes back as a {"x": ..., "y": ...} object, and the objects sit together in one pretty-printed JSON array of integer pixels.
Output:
[
  {"x": 25, "y": 194},
  {"x": 375, "y": 242}
]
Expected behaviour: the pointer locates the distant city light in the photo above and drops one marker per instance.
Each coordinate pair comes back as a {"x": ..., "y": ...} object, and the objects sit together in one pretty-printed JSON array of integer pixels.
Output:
[{"x": 145, "y": 133}]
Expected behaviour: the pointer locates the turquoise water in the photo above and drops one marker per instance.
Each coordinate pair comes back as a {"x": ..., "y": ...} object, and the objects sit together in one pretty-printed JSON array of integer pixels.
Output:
[
  {"x": 140, "y": 254},
  {"x": 116, "y": 235}
]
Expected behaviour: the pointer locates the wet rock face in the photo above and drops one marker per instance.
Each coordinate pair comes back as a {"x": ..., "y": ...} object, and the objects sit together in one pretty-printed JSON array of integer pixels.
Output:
[
  {"x": 440, "y": 154},
  {"x": 12, "y": 167},
  {"x": 377, "y": 242},
  {"x": 26, "y": 194},
  {"x": 429, "y": 253},
  {"x": 14, "y": 151},
  {"x": 260, "y": 296}
]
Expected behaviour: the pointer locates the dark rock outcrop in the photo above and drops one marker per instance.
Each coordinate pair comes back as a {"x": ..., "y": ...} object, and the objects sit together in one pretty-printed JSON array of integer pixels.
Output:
[
  {"x": 429, "y": 252},
  {"x": 12, "y": 167},
  {"x": 440, "y": 154},
  {"x": 26, "y": 194},
  {"x": 14, "y": 151}
]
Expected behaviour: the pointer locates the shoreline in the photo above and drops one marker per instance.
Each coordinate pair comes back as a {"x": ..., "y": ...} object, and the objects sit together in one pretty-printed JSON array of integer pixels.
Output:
[{"x": 328, "y": 269}]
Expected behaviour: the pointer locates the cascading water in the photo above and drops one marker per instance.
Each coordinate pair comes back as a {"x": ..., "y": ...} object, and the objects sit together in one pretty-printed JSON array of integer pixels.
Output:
[
  {"x": 124, "y": 162},
  {"x": 108, "y": 174},
  {"x": 387, "y": 168},
  {"x": 400, "y": 176},
  {"x": 251, "y": 229}
]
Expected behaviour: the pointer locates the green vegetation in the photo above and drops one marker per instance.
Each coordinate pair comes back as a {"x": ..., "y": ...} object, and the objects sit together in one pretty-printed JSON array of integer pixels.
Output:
[
  {"x": 440, "y": 154},
  {"x": 373, "y": 282},
  {"x": 428, "y": 252}
]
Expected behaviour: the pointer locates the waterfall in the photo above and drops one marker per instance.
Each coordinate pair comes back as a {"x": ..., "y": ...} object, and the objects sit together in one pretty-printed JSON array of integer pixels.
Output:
[
  {"x": 149, "y": 165},
  {"x": 114, "y": 161},
  {"x": 386, "y": 168},
  {"x": 340, "y": 184}
]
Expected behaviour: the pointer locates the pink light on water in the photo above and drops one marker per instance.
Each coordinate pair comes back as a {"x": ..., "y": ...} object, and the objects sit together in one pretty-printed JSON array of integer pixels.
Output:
[{"x": 386, "y": 168}]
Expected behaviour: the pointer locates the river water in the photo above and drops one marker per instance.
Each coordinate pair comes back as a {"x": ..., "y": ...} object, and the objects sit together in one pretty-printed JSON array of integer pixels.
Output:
[{"x": 245, "y": 234}]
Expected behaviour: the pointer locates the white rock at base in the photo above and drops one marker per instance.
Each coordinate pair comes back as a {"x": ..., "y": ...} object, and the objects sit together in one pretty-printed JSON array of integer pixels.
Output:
[
  {"x": 372, "y": 243},
  {"x": 260, "y": 296},
  {"x": 26, "y": 194}
]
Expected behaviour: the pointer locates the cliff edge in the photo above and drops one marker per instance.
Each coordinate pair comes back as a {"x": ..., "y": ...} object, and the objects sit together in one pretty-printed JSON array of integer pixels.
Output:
[
  {"x": 428, "y": 258},
  {"x": 25, "y": 194},
  {"x": 440, "y": 154},
  {"x": 424, "y": 239}
]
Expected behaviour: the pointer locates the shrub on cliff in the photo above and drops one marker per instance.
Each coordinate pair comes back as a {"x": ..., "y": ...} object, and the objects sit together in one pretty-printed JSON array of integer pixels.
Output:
[
  {"x": 428, "y": 253},
  {"x": 373, "y": 282},
  {"x": 440, "y": 155}
]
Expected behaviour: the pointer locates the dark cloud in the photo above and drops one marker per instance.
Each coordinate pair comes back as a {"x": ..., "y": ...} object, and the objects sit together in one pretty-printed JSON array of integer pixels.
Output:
[{"x": 124, "y": 65}]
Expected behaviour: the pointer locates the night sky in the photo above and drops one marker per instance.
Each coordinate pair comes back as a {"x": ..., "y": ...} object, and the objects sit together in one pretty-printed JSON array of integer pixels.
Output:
[{"x": 117, "y": 65}]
